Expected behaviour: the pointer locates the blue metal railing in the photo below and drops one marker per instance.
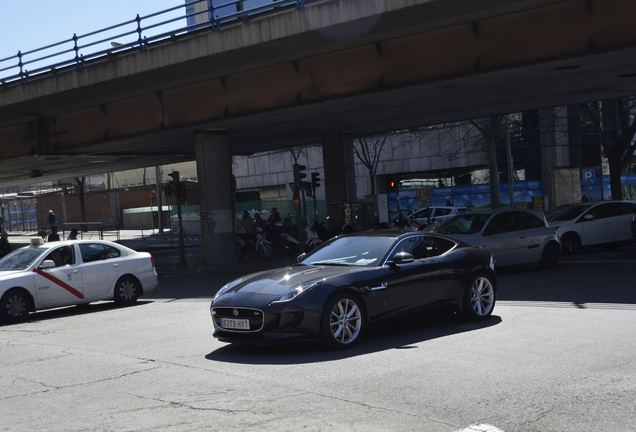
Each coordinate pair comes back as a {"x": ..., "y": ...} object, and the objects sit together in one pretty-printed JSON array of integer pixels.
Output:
[{"x": 138, "y": 33}]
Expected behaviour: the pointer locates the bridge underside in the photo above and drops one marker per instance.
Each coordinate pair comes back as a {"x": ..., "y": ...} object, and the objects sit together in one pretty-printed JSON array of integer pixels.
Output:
[{"x": 561, "y": 53}]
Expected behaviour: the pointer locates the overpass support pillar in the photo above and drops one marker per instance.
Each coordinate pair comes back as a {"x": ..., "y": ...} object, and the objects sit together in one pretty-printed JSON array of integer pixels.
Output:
[
  {"x": 340, "y": 179},
  {"x": 558, "y": 185},
  {"x": 214, "y": 171}
]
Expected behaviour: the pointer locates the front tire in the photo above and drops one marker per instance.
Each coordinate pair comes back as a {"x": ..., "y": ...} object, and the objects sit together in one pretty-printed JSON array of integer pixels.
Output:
[
  {"x": 550, "y": 256},
  {"x": 127, "y": 291},
  {"x": 570, "y": 243},
  {"x": 343, "y": 322},
  {"x": 15, "y": 306},
  {"x": 265, "y": 250},
  {"x": 479, "y": 297}
]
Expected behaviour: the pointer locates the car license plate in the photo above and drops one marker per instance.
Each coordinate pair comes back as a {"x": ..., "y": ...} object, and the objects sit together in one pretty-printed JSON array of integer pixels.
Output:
[{"x": 238, "y": 324}]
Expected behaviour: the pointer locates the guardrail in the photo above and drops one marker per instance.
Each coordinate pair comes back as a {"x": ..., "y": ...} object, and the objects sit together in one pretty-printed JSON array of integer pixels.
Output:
[{"x": 136, "y": 34}]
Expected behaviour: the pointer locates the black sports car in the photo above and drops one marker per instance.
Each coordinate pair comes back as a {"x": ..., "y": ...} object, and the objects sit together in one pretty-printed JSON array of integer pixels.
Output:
[{"x": 332, "y": 292}]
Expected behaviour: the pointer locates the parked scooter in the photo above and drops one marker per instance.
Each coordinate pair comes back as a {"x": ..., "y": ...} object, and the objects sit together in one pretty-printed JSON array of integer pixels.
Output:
[
  {"x": 255, "y": 243},
  {"x": 312, "y": 235},
  {"x": 282, "y": 238}
]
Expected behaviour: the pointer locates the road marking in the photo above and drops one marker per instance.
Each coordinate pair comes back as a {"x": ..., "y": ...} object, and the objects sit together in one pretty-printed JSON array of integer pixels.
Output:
[
  {"x": 61, "y": 283},
  {"x": 599, "y": 261},
  {"x": 480, "y": 428}
]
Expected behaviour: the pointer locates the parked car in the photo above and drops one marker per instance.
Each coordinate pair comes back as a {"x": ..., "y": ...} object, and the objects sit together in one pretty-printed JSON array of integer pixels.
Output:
[
  {"x": 601, "y": 223},
  {"x": 515, "y": 237},
  {"x": 428, "y": 215},
  {"x": 333, "y": 292},
  {"x": 54, "y": 274}
]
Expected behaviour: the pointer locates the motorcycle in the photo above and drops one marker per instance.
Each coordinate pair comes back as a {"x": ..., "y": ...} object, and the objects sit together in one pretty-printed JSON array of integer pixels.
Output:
[{"x": 255, "y": 243}]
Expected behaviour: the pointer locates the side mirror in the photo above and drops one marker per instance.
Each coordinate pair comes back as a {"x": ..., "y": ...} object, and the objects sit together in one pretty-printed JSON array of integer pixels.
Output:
[
  {"x": 401, "y": 258},
  {"x": 47, "y": 264}
]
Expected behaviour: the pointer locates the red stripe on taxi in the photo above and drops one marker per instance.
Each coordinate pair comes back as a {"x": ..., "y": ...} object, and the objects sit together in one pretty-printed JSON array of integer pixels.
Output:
[{"x": 61, "y": 283}]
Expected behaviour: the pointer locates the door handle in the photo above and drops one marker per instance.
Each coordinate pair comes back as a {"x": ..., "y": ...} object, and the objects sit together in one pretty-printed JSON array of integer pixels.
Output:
[{"x": 115, "y": 265}]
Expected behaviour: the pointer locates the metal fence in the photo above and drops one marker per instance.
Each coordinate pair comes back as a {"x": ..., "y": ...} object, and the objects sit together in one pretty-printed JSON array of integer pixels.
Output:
[{"x": 138, "y": 34}]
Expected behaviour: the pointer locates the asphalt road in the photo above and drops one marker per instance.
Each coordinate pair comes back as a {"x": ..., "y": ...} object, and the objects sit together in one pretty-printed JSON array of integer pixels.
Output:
[{"x": 558, "y": 355}]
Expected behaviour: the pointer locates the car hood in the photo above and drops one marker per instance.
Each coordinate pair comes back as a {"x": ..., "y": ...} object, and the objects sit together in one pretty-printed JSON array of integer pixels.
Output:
[
  {"x": 559, "y": 222},
  {"x": 10, "y": 274},
  {"x": 277, "y": 281}
]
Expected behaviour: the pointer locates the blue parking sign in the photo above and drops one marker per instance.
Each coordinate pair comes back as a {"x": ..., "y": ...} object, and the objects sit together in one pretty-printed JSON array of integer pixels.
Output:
[{"x": 588, "y": 176}]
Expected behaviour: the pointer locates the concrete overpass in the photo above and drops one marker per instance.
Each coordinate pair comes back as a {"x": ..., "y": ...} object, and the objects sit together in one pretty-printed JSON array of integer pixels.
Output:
[
  {"x": 292, "y": 77},
  {"x": 336, "y": 68}
]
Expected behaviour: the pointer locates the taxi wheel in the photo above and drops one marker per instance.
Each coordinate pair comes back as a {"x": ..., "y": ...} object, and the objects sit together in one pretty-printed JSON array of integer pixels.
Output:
[
  {"x": 127, "y": 290},
  {"x": 15, "y": 306}
]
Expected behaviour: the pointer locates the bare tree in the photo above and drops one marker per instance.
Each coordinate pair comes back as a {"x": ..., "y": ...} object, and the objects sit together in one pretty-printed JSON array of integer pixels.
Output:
[
  {"x": 489, "y": 128},
  {"x": 368, "y": 150},
  {"x": 617, "y": 140}
]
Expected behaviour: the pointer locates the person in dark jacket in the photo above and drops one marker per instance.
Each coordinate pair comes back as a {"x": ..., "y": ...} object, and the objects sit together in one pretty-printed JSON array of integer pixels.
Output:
[
  {"x": 54, "y": 236},
  {"x": 5, "y": 247}
]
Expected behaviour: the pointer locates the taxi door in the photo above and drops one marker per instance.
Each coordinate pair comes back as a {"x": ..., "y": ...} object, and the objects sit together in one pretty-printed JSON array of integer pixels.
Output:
[
  {"x": 101, "y": 268},
  {"x": 60, "y": 285}
]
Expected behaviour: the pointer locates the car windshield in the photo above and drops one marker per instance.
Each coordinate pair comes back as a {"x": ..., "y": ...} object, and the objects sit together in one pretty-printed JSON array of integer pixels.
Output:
[
  {"x": 351, "y": 251},
  {"x": 469, "y": 223},
  {"x": 566, "y": 213},
  {"x": 20, "y": 259}
]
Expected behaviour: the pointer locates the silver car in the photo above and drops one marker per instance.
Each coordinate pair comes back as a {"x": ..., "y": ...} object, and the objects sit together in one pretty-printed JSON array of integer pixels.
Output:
[
  {"x": 428, "y": 215},
  {"x": 514, "y": 237},
  {"x": 601, "y": 223}
]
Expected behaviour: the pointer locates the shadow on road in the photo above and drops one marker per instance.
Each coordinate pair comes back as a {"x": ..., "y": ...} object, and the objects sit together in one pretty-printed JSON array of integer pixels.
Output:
[{"x": 402, "y": 333}]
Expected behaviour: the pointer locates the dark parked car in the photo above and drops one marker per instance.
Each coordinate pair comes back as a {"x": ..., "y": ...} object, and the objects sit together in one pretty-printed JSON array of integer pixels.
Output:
[
  {"x": 515, "y": 237},
  {"x": 333, "y": 292}
]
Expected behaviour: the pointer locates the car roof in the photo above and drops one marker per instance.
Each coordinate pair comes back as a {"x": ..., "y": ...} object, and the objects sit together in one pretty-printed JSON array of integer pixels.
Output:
[{"x": 35, "y": 242}]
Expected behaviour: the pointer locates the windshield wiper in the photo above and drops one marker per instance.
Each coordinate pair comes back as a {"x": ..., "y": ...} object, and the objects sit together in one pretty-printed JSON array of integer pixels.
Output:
[{"x": 331, "y": 263}]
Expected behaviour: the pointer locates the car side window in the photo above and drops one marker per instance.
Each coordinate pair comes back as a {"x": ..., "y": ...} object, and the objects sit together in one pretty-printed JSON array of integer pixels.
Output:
[
  {"x": 600, "y": 211},
  {"x": 424, "y": 247},
  {"x": 503, "y": 223},
  {"x": 623, "y": 208},
  {"x": 442, "y": 212},
  {"x": 92, "y": 252},
  {"x": 531, "y": 221},
  {"x": 62, "y": 256}
]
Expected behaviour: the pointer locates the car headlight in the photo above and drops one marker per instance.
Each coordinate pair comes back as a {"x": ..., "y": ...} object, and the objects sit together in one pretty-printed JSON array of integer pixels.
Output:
[{"x": 293, "y": 293}]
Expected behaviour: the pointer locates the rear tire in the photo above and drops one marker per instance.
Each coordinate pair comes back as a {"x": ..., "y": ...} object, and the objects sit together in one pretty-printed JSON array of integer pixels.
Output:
[
  {"x": 479, "y": 297},
  {"x": 15, "y": 306},
  {"x": 127, "y": 291}
]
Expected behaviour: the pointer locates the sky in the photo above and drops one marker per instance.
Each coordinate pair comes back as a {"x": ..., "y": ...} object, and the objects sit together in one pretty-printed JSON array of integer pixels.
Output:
[{"x": 30, "y": 24}]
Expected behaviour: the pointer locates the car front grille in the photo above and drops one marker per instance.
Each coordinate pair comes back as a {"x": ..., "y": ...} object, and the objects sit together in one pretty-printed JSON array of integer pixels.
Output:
[{"x": 221, "y": 315}]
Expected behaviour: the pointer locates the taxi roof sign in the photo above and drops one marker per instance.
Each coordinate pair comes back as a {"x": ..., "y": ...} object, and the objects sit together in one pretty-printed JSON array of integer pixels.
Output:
[{"x": 36, "y": 241}]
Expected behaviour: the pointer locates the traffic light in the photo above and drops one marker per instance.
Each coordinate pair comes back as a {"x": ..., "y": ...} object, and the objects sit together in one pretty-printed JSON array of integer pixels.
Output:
[
  {"x": 315, "y": 178},
  {"x": 299, "y": 175},
  {"x": 393, "y": 182},
  {"x": 176, "y": 187}
]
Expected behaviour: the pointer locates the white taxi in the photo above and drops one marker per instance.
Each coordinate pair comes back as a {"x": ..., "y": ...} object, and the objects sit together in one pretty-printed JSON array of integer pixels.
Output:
[{"x": 54, "y": 274}]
